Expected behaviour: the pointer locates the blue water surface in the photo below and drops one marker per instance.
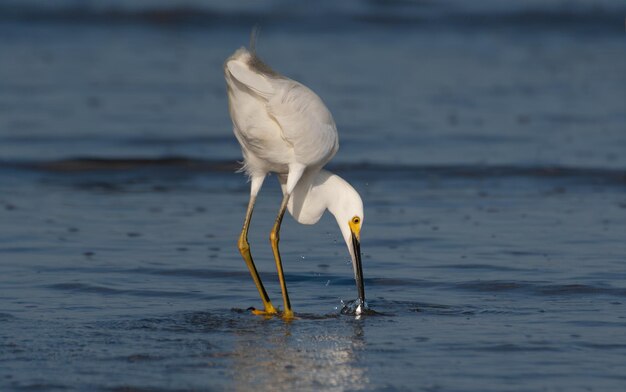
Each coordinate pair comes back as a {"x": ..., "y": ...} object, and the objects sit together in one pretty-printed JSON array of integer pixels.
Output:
[{"x": 486, "y": 139}]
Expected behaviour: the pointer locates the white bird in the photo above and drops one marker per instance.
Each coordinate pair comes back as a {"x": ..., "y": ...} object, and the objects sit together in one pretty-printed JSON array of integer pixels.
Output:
[{"x": 285, "y": 128}]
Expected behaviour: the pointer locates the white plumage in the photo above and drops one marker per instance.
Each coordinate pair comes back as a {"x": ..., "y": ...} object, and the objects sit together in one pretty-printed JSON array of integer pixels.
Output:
[
  {"x": 285, "y": 128},
  {"x": 277, "y": 120}
]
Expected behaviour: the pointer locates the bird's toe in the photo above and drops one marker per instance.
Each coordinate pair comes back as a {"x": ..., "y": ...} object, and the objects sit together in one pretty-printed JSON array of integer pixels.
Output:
[{"x": 265, "y": 312}]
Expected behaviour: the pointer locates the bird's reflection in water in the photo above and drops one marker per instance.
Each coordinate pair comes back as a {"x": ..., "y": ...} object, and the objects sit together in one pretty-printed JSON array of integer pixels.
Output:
[{"x": 301, "y": 357}]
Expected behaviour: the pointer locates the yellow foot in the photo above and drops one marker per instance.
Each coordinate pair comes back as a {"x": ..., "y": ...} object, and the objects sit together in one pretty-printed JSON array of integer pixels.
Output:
[
  {"x": 269, "y": 311},
  {"x": 288, "y": 315}
]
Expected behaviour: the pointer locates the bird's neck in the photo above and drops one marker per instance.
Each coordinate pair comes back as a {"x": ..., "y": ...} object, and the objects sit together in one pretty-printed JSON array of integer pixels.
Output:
[
  {"x": 337, "y": 193},
  {"x": 344, "y": 202},
  {"x": 308, "y": 201},
  {"x": 316, "y": 192}
]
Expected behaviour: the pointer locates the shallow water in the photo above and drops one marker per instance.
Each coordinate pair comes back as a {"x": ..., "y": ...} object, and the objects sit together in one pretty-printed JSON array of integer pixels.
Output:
[{"x": 489, "y": 157}]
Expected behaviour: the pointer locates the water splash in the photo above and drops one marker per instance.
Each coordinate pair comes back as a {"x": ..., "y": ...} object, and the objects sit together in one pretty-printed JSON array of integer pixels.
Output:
[{"x": 355, "y": 307}]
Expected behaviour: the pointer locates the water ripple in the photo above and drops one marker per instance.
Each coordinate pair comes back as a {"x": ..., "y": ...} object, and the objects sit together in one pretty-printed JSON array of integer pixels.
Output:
[
  {"x": 410, "y": 14},
  {"x": 504, "y": 348},
  {"x": 6, "y": 317},
  {"x": 431, "y": 309},
  {"x": 188, "y": 165},
  {"x": 541, "y": 288},
  {"x": 103, "y": 290},
  {"x": 191, "y": 322}
]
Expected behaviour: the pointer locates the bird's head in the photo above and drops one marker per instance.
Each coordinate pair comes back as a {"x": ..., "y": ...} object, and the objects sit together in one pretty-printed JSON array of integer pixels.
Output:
[{"x": 347, "y": 207}]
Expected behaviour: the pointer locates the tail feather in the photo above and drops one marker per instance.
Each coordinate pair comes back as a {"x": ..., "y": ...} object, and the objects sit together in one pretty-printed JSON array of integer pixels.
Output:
[
  {"x": 245, "y": 67},
  {"x": 254, "y": 35},
  {"x": 247, "y": 76}
]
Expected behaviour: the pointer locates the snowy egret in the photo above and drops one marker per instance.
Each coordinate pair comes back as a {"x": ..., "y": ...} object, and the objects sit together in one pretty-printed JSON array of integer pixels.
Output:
[{"x": 285, "y": 128}]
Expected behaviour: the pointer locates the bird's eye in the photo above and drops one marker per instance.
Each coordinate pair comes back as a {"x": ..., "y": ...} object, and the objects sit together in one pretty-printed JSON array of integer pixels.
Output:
[{"x": 356, "y": 220}]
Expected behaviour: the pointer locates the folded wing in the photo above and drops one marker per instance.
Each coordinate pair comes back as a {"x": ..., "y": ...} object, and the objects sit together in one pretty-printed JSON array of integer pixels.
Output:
[{"x": 305, "y": 122}]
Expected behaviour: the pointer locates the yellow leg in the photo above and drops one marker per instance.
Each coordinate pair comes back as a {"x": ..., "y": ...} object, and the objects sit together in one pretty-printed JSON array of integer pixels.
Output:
[
  {"x": 274, "y": 238},
  {"x": 244, "y": 249}
]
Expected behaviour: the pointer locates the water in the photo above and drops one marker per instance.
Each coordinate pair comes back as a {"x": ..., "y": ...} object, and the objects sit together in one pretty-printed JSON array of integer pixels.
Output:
[{"x": 486, "y": 141}]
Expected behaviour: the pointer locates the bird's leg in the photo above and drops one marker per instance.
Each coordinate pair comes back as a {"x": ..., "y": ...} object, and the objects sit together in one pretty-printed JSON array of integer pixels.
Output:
[
  {"x": 244, "y": 249},
  {"x": 274, "y": 238}
]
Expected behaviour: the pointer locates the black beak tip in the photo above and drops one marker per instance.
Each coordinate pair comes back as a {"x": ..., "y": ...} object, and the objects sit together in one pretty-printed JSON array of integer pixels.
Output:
[{"x": 358, "y": 269}]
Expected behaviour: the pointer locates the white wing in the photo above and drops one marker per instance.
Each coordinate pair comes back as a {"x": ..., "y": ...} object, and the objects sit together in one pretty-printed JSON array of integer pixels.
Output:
[{"x": 306, "y": 123}]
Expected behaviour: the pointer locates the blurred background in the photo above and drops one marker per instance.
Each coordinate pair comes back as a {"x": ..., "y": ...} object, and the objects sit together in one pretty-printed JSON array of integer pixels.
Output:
[
  {"x": 486, "y": 138},
  {"x": 436, "y": 82}
]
